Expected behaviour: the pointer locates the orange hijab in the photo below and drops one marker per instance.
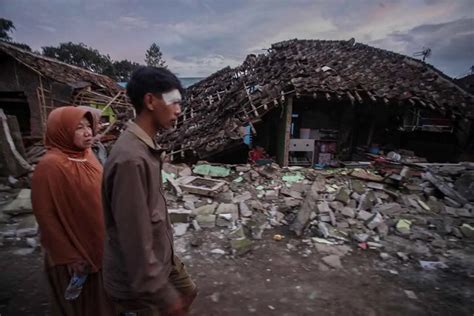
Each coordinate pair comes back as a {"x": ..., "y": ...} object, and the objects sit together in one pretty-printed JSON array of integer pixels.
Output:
[{"x": 66, "y": 194}]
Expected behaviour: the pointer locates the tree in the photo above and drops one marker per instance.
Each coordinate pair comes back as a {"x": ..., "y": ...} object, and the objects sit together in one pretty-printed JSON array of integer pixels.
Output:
[
  {"x": 6, "y": 26},
  {"x": 82, "y": 56},
  {"x": 154, "y": 57},
  {"x": 123, "y": 69}
]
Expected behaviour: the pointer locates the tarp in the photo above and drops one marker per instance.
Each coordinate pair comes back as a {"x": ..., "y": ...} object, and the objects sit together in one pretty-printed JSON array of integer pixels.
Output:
[{"x": 213, "y": 171}]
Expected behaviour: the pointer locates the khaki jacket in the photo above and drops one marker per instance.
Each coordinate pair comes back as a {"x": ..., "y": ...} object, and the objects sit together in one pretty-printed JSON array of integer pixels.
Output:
[{"x": 138, "y": 254}]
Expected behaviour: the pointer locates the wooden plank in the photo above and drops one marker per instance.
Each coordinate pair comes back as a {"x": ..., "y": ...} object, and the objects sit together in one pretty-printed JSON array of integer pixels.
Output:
[
  {"x": 251, "y": 102},
  {"x": 289, "y": 111},
  {"x": 12, "y": 162}
]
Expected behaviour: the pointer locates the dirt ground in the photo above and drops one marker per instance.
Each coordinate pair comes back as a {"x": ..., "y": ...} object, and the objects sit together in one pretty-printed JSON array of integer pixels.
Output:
[{"x": 275, "y": 279}]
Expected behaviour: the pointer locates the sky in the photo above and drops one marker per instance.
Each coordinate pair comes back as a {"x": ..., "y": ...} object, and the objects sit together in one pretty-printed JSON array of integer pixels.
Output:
[{"x": 199, "y": 37}]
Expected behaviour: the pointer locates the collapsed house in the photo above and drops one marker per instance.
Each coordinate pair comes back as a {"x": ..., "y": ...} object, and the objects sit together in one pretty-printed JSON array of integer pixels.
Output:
[
  {"x": 466, "y": 82},
  {"x": 313, "y": 101},
  {"x": 31, "y": 86}
]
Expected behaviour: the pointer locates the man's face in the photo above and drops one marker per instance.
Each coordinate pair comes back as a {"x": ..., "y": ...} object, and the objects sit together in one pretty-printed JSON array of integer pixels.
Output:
[{"x": 165, "y": 108}]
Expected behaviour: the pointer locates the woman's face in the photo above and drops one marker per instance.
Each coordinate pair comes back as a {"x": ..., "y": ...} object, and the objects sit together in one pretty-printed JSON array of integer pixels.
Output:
[{"x": 83, "y": 136}]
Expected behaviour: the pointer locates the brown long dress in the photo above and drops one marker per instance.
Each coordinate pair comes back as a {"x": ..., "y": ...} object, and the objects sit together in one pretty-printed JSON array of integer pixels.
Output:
[{"x": 67, "y": 204}]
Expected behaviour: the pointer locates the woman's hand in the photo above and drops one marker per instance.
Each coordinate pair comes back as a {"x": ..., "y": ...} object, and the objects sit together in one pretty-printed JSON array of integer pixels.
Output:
[{"x": 78, "y": 267}]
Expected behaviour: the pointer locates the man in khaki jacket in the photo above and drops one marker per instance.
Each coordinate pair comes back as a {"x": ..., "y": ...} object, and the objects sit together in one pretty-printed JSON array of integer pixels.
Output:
[{"x": 141, "y": 272}]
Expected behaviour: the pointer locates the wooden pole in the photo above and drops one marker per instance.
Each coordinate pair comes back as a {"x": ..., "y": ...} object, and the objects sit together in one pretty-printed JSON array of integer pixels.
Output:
[
  {"x": 6, "y": 131},
  {"x": 288, "y": 112}
]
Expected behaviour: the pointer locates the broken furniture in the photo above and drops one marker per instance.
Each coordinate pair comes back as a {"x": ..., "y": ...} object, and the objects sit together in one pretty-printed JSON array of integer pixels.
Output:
[
  {"x": 202, "y": 186},
  {"x": 301, "y": 145}
]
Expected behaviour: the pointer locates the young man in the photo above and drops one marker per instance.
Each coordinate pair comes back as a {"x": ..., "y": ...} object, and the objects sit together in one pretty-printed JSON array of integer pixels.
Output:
[{"x": 141, "y": 272}]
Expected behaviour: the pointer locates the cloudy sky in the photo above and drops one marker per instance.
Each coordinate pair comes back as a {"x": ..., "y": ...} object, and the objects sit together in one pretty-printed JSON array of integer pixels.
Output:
[{"x": 198, "y": 37}]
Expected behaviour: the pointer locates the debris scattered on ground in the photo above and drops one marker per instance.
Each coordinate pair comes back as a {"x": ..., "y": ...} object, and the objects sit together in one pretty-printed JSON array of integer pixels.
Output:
[
  {"x": 421, "y": 218},
  {"x": 418, "y": 216}
]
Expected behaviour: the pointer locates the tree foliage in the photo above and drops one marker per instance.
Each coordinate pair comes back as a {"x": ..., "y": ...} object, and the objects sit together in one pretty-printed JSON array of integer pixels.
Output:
[
  {"x": 89, "y": 58},
  {"x": 6, "y": 26},
  {"x": 123, "y": 69},
  {"x": 82, "y": 56},
  {"x": 154, "y": 57}
]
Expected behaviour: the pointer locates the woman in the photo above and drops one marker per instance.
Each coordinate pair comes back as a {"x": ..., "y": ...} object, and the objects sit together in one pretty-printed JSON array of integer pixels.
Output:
[
  {"x": 67, "y": 204},
  {"x": 97, "y": 147}
]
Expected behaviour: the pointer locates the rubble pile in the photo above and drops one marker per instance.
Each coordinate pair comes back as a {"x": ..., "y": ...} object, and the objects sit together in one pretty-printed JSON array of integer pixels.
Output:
[
  {"x": 422, "y": 213},
  {"x": 17, "y": 223}
]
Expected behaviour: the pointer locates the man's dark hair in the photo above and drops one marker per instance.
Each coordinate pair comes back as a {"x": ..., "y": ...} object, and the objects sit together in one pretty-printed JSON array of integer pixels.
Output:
[{"x": 150, "y": 80}]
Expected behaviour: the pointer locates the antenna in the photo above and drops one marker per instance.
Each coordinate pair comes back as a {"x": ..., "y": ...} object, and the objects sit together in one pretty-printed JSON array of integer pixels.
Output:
[{"x": 426, "y": 52}]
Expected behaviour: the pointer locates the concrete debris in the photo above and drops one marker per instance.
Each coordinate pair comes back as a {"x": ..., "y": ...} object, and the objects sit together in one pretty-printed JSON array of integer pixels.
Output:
[
  {"x": 411, "y": 295},
  {"x": 444, "y": 188},
  {"x": 196, "y": 225},
  {"x": 309, "y": 204},
  {"x": 358, "y": 187},
  {"x": 367, "y": 207},
  {"x": 291, "y": 193},
  {"x": 364, "y": 215},
  {"x": 389, "y": 209},
  {"x": 348, "y": 212},
  {"x": 206, "y": 221},
  {"x": 432, "y": 265},
  {"x": 227, "y": 208},
  {"x": 361, "y": 237},
  {"x": 424, "y": 205},
  {"x": 32, "y": 242},
  {"x": 333, "y": 261},
  {"x": 271, "y": 195},
  {"x": 27, "y": 227},
  {"x": 323, "y": 230},
  {"x": 218, "y": 251},
  {"x": 465, "y": 185},
  {"x": 385, "y": 256},
  {"x": 23, "y": 251},
  {"x": 374, "y": 221},
  {"x": 241, "y": 246},
  {"x": 225, "y": 197},
  {"x": 205, "y": 210},
  {"x": 179, "y": 215},
  {"x": 323, "y": 208},
  {"x": 242, "y": 197},
  {"x": 403, "y": 226},
  {"x": 467, "y": 230},
  {"x": 367, "y": 201},
  {"x": 224, "y": 220},
  {"x": 403, "y": 256},
  {"x": 180, "y": 229},
  {"x": 244, "y": 210},
  {"x": 343, "y": 196},
  {"x": 21, "y": 205}
]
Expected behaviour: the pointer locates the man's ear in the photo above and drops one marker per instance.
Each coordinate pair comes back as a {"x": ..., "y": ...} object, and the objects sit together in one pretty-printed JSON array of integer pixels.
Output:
[{"x": 148, "y": 101}]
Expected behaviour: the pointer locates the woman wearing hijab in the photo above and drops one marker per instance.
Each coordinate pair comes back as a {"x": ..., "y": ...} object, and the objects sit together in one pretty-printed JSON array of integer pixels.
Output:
[
  {"x": 97, "y": 147},
  {"x": 67, "y": 205}
]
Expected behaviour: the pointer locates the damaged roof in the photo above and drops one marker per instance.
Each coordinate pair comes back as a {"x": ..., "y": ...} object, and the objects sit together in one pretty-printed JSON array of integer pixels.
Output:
[
  {"x": 60, "y": 71},
  {"x": 466, "y": 82},
  {"x": 217, "y": 106}
]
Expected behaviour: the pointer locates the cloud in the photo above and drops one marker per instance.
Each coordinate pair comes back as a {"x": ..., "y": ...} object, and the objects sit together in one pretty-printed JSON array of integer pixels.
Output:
[
  {"x": 452, "y": 44},
  {"x": 47, "y": 28},
  {"x": 198, "y": 37},
  {"x": 200, "y": 66},
  {"x": 133, "y": 22}
]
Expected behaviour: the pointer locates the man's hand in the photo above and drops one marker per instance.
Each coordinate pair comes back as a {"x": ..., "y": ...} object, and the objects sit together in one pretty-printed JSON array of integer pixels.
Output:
[{"x": 176, "y": 309}]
